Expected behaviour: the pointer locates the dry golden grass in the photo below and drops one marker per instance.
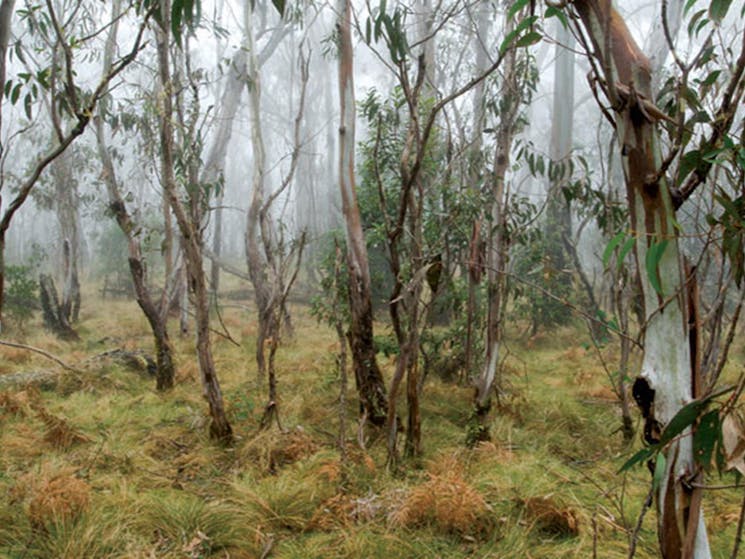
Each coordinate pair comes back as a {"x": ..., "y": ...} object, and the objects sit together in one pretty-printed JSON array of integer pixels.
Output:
[
  {"x": 14, "y": 355},
  {"x": 52, "y": 495},
  {"x": 18, "y": 403},
  {"x": 58, "y": 431},
  {"x": 334, "y": 513},
  {"x": 272, "y": 450},
  {"x": 550, "y": 518},
  {"x": 157, "y": 487},
  {"x": 447, "y": 502}
]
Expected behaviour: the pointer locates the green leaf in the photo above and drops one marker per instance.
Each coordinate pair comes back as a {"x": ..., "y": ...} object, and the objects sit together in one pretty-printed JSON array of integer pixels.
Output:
[
  {"x": 515, "y": 8},
  {"x": 659, "y": 471},
  {"x": 692, "y": 25},
  {"x": 176, "y": 13},
  {"x": 627, "y": 246},
  {"x": 654, "y": 255},
  {"x": 706, "y": 438},
  {"x": 516, "y": 32},
  {"x": 552, "y": 11},
  {"x": 614, "y": 242},
  {"x": 15, "y": 93},
  {"x": 718, "y": 9},
  {"x": 27, "y": 105},
  {"x": 644, "y": 454},
  {"x": 689, "y": 162},
  {"x": 682, "y": 420},
  {"x": 688, "y": 6},
  {"x": 528, "y": 39}
]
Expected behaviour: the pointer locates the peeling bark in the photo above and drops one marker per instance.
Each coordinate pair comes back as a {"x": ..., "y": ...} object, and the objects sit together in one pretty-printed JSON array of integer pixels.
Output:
[
  {"x": 369, "y": 379},
  {"x": 668, "y": 373}
]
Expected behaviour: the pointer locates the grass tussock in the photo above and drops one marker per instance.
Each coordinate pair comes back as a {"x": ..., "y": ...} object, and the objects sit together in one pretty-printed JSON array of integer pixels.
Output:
[
  {"x": 18, "y": 403},
  {"x": 105, "y": 466},
  {"x": 446, "y": 502},
  {"x": 52, "y": 496},
  {"x": 184, "y": 525},
  {"x": 549, "y": 517},
  {"x": 272, "y": 450},
  {"x": 58, "y": 431}
]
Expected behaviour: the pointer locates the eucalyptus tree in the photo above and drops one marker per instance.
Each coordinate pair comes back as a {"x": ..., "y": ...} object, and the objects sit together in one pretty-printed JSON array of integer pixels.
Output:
[
  {"x": 273, "y": 262},
  {"x": 155, "y": 311},
  {"x": 188, "y": 203},
  {"x": 405, "y": 187},
  {"x": 76, "y": 98},
  {"x": 515, "y": 90},
  {"x": 368, "y": 377},
  {"x": 6, "y": 16},
  {"x": 669, "y": 388},
  {"x": 476, "y": 164},
  {"x": 558, "y": 227}
]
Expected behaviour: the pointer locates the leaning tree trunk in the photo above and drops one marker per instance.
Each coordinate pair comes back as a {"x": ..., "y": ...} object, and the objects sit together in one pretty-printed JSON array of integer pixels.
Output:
[
  {"x": 165, "y": 369},
  {"x": 370, "y": 384},
  {"x": 191, "y": 232},
  {"x": 668, "y": 376}
]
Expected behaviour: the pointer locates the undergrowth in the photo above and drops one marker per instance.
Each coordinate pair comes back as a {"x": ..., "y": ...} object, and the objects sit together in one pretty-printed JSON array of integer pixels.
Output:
[{"x": 105, "y": 466}]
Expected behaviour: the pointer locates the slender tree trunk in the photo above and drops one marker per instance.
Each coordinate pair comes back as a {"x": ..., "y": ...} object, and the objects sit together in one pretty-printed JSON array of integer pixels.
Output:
[
  {"x": 165, "y": 369},
  {"x": 258, "y": 268},
  {"x": 213, "y": 173},
  {"x": 190, "y": 230},
  {"x": 6, "y": 15},
  {"x": 68, "y": 217},
  {"x": 558, "y": 213},
  {"x": 476, "y": 164},
  {"x": 497, "y": 245},
  {"x": 370, "y": 384},
  {"x": 668, "y": 377},
  {"x": 620, "y": 300}
]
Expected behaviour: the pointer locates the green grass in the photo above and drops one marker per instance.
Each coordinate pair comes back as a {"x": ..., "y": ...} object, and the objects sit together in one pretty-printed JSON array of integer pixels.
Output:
[{"x": 160, "y": 488}]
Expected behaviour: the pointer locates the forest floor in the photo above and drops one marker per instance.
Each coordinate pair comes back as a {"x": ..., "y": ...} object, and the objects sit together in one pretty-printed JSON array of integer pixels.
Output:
[{"x": 98, "y": 464}]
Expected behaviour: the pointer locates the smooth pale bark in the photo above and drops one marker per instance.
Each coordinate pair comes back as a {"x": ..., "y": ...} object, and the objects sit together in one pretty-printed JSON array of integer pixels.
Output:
[
  {"x": 213, "y": 172},
  {"x": 257, "y": 264},
  {"x": 562, "y": 124},
  {"x": 81, "y": 120},
  {"x": 668, "y": 374},
  {"x": 476, "y": 163},
  {"x": 68, "y": 218},
  {"x": 191, "y": 236},
  {"x": 558, "y": 228},
  {"x": 6, "y": 15},
  {"x": 369, "y": 379},
  {"x": 497, "y": 241},
  {"x": 214, "y": 165}
]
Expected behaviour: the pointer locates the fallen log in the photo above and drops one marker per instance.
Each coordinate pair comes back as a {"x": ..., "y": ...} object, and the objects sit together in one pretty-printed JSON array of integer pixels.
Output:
[{"x": 44, "y": 380}]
